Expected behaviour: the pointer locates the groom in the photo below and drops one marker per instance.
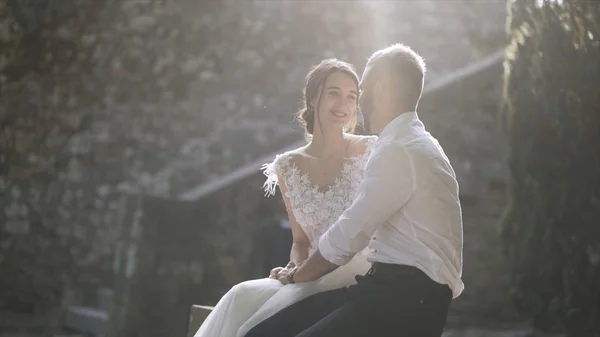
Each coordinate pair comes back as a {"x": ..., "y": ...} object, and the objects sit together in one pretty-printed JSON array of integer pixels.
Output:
[{"x": 407, "y": 213}]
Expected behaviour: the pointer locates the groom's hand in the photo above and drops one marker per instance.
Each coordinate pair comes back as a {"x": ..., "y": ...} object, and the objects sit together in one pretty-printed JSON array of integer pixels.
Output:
[
  {"x": 284, "y": 275},
  {"x": 275, "y": 271},
  {"x": 315, "y": 267}
]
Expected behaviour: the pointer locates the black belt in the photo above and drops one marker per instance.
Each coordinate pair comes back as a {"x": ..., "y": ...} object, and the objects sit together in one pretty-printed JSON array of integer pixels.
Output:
[
  {"x": 378, "y": 268},
  {"x": 405, "y": 273},
  {"x": 410, "y": 277}
]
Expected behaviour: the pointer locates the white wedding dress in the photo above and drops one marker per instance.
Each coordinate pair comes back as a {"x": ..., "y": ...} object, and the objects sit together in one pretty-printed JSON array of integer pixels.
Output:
[{"x": 315, "y": 209}]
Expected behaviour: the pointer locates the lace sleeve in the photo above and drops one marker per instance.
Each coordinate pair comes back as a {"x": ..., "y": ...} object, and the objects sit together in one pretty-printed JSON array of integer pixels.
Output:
[{"x": 272, "y": 170}]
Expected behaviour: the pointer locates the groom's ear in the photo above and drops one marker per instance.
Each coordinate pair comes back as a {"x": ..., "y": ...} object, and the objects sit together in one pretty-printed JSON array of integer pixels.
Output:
[{"x": 378, "y": 93}]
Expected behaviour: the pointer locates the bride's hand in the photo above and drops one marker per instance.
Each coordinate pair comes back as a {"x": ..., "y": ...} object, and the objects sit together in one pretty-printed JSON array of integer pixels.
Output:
[
  {"x": 275, "y": 272},
  {"x": 285, "y": 275}
]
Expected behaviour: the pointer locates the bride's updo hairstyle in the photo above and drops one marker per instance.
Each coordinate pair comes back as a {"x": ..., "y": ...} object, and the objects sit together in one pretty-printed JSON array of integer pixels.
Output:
[{"x": 315, "y": 80}]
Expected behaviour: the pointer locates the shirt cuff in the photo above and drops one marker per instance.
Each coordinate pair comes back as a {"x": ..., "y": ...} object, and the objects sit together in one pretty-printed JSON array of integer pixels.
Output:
[{"x": 329, "y": 253}]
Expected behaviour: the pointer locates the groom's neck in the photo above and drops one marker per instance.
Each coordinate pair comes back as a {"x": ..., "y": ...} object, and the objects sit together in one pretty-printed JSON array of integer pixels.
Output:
[{"x": 401, "y": 110}]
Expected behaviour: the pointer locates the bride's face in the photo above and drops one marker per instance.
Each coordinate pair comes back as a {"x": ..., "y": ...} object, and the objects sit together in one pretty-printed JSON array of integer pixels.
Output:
[{"x": 338, "y": 103}]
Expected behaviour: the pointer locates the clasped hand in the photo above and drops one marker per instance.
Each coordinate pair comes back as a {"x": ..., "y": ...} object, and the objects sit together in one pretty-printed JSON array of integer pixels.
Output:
[{"x": 281, "y": 273}]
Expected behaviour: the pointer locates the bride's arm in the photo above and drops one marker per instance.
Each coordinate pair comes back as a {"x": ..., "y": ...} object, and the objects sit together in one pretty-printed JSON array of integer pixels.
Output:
[{"x": 300, "y": 241}]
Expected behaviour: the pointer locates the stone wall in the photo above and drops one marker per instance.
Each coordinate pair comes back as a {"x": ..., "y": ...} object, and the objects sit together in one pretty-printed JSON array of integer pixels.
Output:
[{"x": 91, "y": 106}]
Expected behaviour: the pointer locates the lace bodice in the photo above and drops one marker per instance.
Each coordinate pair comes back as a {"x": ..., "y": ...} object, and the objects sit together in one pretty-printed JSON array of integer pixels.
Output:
[{"x": 316, "y": 208}]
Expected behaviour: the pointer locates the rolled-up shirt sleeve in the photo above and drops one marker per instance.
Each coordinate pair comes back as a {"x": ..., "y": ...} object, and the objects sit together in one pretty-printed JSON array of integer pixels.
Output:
[{"x": 388, "y": 184}]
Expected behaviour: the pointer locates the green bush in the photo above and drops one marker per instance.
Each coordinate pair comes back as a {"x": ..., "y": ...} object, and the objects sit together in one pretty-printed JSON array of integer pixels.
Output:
[{"x": 551, "y": 229}]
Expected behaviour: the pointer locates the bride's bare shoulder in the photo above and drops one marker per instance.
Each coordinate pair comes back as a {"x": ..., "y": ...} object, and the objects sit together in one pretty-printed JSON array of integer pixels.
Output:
[
  {"x": 298, "y": 153},
  {"x": 291, "y": 157}
]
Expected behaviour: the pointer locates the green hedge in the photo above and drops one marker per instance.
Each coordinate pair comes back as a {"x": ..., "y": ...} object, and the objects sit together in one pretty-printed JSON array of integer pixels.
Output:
[{"x": 551, "y": 229}]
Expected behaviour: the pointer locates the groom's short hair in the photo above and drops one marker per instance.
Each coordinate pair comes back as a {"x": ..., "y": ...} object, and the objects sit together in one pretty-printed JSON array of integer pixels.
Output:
[{"x": 404, "y": 68}]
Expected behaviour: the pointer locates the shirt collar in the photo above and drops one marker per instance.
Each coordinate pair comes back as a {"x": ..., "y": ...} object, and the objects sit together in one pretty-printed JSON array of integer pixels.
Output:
[{"x": 402, "y": 119}]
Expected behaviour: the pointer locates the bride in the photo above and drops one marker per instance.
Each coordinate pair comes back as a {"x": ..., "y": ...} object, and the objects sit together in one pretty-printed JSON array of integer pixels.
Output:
[{"x": 317, "y": 181}]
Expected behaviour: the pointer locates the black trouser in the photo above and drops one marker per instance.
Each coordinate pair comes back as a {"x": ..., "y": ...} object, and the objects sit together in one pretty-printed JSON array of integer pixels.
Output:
[{"x": 391, "y": 300}]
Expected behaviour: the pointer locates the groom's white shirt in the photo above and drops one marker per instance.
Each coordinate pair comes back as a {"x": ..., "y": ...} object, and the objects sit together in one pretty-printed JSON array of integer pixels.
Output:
[{"x": 406, "y": 209}]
